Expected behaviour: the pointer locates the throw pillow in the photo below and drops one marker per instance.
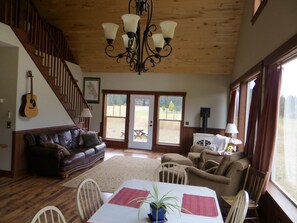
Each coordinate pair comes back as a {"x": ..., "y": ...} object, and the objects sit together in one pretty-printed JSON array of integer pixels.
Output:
[
  {"x": 90, "y": 139},
  {"x": 57, "y": 146}
]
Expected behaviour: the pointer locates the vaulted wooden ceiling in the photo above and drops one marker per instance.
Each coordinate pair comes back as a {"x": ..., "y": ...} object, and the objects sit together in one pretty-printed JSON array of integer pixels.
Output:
[{"x": 205, "y": 39}]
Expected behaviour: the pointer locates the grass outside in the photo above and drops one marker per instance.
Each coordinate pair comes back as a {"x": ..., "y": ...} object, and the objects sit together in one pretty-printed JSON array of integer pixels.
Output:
[
  {"x": 285, "y": 159},
  {"x": 169, "y": 126}
]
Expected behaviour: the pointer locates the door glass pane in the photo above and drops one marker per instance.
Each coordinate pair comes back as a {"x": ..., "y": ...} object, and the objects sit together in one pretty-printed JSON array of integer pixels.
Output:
[
  {"x": 169, "y": 119},
  {"x": 115, "y": 116},
  {"x": 141, "y": 119}
]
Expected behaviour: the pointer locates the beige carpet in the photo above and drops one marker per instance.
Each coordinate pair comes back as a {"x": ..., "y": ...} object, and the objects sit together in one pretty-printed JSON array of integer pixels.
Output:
[{"x": 111, "y": 173}]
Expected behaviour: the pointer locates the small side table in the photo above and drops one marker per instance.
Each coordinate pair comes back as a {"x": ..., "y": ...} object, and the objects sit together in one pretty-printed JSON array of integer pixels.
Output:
[{"x": 3, "y": 146}]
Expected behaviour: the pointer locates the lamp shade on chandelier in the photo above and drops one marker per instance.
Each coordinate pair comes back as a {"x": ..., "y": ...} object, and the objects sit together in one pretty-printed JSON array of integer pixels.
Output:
[{"x": 137, "y": 49}]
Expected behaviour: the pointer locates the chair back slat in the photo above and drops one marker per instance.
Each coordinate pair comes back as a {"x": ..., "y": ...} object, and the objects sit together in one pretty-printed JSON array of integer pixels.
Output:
[
  {"x": 171, "y": 172},
  {"x": 238, "y": 210},
  {"x": 254, "y": 184},
  {"x": 88, "y": 199},
  {"x": 49, "y": 214}
]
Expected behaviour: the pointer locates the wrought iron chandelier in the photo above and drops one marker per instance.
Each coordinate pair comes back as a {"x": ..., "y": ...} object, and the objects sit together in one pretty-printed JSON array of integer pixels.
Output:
[{"x": 137, "y": 48}]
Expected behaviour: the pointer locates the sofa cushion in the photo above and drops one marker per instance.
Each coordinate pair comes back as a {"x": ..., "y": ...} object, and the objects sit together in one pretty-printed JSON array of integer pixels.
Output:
[
  {"x": 75, "y": 133},
  {"x": 90, "y": 139},
  {"x": 53, "y": 137},
  {"x": 57, "y": 146},
  {"x": 65, "y": 138},
  {"x": 226, "y": 161}
]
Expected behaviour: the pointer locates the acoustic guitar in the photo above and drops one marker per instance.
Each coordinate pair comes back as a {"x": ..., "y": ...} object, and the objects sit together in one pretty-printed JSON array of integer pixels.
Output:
[{"x": 29, "y": 101}]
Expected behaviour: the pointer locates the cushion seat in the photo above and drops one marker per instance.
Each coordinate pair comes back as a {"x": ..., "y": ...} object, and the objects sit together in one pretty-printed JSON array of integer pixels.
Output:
[{"x": 177, "y": 158}]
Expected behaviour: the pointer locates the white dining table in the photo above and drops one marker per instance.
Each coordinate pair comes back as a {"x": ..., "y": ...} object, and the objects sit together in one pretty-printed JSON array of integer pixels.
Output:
[{"x": 114, "y": 213}]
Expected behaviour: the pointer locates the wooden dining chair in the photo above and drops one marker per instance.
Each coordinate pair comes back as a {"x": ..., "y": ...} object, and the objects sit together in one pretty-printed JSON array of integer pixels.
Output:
[
  {"x": 239, "y": 208},
  {"x": 254, "y": 184},
  {"x": 171, "y": 172},
  {"x": 49, "y": 214},
  {"x": 88, "y": 199}
]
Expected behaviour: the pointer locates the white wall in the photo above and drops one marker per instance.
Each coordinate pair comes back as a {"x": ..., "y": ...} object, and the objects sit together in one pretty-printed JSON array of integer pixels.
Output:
[
  {"x": 275, "y": 25},
  {"x": 202, "y": 91},
  {"x": 51, "y": 111},
  {"x": 77, "y": 73}
]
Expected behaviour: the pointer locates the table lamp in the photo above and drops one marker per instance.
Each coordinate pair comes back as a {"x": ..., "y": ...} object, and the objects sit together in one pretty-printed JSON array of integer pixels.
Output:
[{"x": 85, "y": 114}]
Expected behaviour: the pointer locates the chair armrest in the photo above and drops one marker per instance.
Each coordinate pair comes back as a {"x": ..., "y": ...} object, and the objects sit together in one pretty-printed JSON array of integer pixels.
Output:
[
  {"x": 209, "y": 164},
  {"x": 55, "y": 154},
  {"x": 197, "y": 148},
  {"x": 197, "y": 175}
]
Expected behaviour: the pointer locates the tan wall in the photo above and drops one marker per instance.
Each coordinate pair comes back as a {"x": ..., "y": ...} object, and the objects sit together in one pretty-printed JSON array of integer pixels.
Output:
[
  {"x": 202, "y": 91},
  {"x": 275, "y": 25}
]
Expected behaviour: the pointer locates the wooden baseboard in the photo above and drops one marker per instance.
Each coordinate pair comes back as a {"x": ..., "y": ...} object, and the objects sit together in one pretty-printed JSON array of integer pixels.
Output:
[{"x": 6, "y": 173}]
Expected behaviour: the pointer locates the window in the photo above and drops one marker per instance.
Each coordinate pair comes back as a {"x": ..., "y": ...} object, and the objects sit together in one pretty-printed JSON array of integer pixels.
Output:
[
  {"x": 249, "y": 92},
  {"x": 236, "y": 107},
  {"x": 258, "y": 7},
  {"x": 284, "y": 172},
  {"x": 115, "y": 116},
  {"x": 169, "y": 119}
]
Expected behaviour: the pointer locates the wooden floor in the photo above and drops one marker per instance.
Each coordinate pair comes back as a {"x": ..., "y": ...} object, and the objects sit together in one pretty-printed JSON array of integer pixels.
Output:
[{"x": 22, "y": 197}]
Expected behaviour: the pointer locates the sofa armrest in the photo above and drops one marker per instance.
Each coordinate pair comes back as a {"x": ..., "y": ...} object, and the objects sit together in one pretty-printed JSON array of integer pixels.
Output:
[
  {"x": 50, "y": 153},
  {"x": 197, "y": 175}
]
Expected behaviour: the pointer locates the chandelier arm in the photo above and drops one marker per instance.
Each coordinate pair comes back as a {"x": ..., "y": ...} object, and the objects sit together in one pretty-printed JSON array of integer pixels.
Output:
[
  {"x": 153, "y": 59},
  {"x": 165, "y": 50},
  {"x": 110, "y": 48}
]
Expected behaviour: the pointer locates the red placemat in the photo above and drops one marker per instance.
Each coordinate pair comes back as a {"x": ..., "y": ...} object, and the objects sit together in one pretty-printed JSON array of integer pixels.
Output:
[
  {"x": 126, "y": 195},
  {"x": 199, "y": 205}
]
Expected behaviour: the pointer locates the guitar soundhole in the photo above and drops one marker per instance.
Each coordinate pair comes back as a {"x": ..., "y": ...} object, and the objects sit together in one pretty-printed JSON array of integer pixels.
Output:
[{"x": 33, "y": 102}]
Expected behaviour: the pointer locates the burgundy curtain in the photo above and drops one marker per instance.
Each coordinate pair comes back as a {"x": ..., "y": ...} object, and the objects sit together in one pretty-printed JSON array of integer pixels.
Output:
[
  {"x": 266, "y": 134},
  {"x": 230, "y": 118},
  {"x": 254, "y": 113}
]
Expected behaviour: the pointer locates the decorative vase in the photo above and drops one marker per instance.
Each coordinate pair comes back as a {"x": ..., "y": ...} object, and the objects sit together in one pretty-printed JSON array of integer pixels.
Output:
[{"x": 157, "y": 213}]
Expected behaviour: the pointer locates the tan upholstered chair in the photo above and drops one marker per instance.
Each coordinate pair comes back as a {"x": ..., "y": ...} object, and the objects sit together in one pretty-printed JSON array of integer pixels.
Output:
[{"x": 227, "y": 179}]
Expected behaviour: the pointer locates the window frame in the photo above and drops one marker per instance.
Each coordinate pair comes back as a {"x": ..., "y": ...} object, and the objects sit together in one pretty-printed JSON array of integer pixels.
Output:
[{"x": 155, "y": 146}]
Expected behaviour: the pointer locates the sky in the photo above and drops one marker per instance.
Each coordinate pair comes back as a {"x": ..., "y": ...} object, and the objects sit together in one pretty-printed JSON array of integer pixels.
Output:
[{"x": 289, "y": 82}]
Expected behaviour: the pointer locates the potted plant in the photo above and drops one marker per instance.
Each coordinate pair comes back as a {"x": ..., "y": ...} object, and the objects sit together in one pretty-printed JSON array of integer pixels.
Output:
[{"x": 159, "y": 205}]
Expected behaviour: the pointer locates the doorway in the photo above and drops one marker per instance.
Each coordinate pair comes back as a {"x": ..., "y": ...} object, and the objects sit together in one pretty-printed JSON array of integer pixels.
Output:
[{"x": 141, "y": 121}]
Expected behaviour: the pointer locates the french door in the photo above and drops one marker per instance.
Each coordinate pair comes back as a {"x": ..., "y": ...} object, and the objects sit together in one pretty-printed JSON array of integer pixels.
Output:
[{"x": 141, "y": 121}]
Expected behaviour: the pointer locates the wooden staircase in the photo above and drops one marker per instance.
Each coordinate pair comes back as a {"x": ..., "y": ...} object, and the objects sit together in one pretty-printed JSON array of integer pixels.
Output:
[{"x": 48, "y": 49}]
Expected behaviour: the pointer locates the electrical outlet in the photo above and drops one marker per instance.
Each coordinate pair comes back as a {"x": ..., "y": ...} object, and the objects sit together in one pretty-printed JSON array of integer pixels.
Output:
[
  {"x": 187, "y": 122},
  {"x": 8, "y": 125}
]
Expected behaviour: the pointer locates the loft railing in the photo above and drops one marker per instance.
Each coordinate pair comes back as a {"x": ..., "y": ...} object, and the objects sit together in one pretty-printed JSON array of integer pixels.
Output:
[{"x": 51, "y": 46}]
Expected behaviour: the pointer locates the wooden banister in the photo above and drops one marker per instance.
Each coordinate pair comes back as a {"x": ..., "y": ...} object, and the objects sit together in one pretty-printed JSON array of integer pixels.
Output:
[{"x": 49, "y": 45}]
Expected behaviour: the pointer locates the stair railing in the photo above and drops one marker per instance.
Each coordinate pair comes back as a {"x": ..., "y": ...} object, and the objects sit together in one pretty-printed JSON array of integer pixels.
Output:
[{"x": 52, "y": 47}]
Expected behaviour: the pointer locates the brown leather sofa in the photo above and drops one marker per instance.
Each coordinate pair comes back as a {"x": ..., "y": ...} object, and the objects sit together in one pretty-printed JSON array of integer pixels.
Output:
[{"x": 59, "y": 153}]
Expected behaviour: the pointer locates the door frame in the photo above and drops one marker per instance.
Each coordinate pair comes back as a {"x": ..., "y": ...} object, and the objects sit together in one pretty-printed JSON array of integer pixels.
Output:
[{"x": 123, "y": 144}]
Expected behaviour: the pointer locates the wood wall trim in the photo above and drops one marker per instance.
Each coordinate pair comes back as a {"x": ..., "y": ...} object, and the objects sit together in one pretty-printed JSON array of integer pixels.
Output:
[
  {"x": 249, "y": 75},
  {"x": 276, "y": 207}
]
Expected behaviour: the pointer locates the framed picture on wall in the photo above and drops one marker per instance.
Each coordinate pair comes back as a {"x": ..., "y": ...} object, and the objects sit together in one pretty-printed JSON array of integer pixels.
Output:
[{"x": 92, "y": 89}]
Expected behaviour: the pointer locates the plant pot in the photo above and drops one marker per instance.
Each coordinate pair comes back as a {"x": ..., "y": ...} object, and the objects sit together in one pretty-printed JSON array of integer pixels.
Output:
[{"x": 157, "y": 214}]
